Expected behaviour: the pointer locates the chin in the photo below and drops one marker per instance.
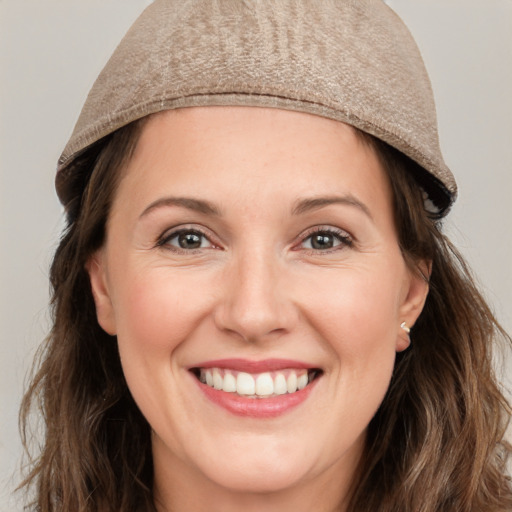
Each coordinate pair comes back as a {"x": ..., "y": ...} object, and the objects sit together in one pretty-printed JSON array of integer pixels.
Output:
[
  {"x": 254, "y": 462},
  {"x": 258, "y": 477}
]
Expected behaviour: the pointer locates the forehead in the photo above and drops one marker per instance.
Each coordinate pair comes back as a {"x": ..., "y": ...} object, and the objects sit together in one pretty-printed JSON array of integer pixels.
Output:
[{"x": 248, "y": 153}]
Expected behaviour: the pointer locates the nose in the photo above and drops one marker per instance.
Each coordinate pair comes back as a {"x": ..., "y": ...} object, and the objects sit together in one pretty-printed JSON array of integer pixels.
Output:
[{"x": 256, "y": 302}]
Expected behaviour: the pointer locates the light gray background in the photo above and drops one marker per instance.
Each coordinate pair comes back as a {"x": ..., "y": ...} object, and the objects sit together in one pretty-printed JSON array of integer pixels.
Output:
[{"x": 50, "y": 54}]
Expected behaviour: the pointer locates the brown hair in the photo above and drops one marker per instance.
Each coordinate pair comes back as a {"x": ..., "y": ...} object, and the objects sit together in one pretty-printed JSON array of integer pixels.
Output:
[
  {"x": 437, "y": 442},
  {"x": 435, "y": 445}
]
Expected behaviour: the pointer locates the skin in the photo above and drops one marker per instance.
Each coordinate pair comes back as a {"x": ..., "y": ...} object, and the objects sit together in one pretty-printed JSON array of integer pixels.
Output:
[{"x": 256, "y": 289}]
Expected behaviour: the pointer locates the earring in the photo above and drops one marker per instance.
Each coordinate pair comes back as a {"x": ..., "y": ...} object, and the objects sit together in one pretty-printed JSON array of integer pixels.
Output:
[
  {"x": 404, "y": 327},
  {"x": 407, "y": 331}
]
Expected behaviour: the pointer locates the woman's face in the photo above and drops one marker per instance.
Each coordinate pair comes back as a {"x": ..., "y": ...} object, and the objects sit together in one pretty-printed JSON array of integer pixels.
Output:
[{"x": 252, "y": 275}]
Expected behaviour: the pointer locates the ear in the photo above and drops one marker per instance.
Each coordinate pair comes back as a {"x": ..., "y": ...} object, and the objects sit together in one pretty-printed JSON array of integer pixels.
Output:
[
  {"x": 96, "y": 269},
  {"x": 414, "y": 297}
]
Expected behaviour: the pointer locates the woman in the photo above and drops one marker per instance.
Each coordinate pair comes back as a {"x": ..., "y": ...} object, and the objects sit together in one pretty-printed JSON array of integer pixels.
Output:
[{"x": 254, "y": 303}]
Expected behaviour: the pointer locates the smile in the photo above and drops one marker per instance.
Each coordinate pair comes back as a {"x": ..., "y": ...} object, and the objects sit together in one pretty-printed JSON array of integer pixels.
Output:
[
  {"x": 257, "y": 389},
  {"x": 261, "y": 385}
]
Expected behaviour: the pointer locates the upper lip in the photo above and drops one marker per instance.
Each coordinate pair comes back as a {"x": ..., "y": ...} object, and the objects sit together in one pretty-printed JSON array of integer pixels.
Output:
[{"x": 250, "y": 366}]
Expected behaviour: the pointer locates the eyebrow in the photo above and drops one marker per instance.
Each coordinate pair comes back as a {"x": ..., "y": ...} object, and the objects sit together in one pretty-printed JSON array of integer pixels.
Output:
[
  {"x": 198, "y": 205},
  {"x": 300, "y": 207},
  {"x": 315, "y": 203}
]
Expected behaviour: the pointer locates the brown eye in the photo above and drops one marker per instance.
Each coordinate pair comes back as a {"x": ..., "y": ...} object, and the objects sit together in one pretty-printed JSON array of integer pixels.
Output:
[{"x": 322, "y": 241}]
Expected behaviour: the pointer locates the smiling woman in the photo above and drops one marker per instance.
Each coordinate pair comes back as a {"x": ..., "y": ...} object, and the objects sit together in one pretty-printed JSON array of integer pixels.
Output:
[
  {"x": 255, "y": 307},
  {"x": 218, "y": 296}
]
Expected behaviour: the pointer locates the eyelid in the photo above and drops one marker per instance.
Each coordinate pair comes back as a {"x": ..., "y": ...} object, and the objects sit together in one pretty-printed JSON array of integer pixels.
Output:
[
  {"x": 345, "y": 238},
  {"x": 169, "y": 233}
]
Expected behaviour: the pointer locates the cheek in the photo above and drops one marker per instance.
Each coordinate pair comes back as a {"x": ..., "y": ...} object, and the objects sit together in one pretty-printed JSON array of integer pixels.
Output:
[
  {"x": 357, "y": 308},
  {"x": 357, "y": 320},
  {"x": 156, "y": 310},
  {"x": 155, "y": 313}
]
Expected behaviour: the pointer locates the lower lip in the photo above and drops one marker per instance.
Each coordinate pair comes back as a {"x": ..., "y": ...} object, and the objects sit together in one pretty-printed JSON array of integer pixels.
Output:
[{"x": 257, "y": 407}]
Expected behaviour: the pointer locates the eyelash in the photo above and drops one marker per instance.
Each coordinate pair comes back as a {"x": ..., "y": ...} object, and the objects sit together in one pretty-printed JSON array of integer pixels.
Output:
[
  {"x": 344, "y": 239},
  {"x": 165, "y": 239}
]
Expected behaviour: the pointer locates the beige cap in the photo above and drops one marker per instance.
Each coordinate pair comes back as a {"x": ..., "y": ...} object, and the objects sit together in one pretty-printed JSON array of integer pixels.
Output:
[{"x": 348, "y": 60}]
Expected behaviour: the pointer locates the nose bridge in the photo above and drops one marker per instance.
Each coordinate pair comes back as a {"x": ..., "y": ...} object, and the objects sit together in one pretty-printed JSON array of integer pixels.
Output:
[{"x": 255, "y": 303}]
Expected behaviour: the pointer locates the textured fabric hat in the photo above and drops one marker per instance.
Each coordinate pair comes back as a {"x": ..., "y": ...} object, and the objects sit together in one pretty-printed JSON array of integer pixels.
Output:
[{"x": 349, "y": 60}]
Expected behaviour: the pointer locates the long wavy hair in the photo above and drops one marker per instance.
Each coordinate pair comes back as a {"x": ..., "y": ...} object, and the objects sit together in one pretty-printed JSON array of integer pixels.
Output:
[{"x": 436, "y": 443}]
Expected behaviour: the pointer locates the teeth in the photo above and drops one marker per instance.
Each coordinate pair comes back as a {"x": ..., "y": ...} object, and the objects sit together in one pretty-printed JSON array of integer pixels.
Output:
[
  {"x": 291, "y": 383},
  {"x": 280, "y": 387},
  {"x": 229, "y": 383},
  {"x": 264, "y": 384},
  {"x": 302, "y": 381},
  {"x": 218, "y": 381},
  {"x": 261, "y": 385},
  {"x": 245, "y": 384}
]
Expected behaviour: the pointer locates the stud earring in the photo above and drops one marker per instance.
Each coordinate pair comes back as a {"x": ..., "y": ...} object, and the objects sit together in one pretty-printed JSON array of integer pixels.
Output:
[
  {"x": 404, "y": 327},
  {"x": 407, "y": 331}
]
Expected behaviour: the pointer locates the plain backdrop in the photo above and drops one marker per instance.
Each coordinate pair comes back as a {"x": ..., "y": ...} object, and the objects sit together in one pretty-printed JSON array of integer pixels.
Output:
[{"x": 50, "y": 54}]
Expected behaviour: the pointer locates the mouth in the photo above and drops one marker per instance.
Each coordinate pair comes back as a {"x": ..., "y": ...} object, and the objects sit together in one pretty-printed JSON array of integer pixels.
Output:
[
  {"x": 268, "y": 384},
  {"x": 256, "y": 389}
]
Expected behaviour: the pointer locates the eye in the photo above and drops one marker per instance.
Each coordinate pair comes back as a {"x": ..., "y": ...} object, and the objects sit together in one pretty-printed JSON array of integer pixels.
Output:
[
  {"x": 324, "y": 239},
  {"x": 185, "y": 239}
]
